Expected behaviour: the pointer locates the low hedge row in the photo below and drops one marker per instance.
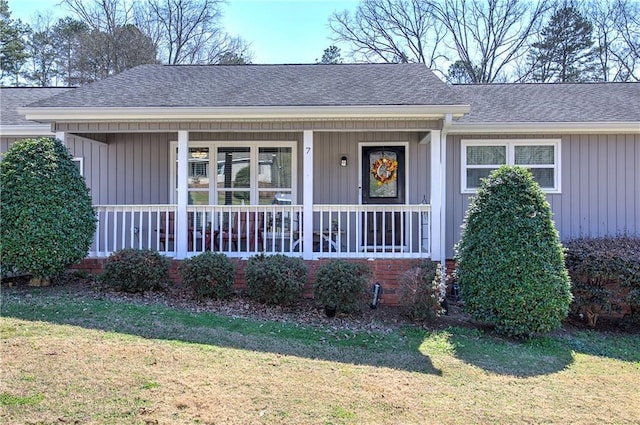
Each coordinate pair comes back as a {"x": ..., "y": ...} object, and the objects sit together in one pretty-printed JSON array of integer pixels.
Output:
[{"x": 605, "y": 276}]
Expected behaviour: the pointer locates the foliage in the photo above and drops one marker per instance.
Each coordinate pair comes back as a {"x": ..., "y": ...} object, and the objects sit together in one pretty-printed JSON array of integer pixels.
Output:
[
  {"x": 422, "y": 291},
  {"x": 275, "y": 279},
  {"x": 13, "y": 50},
  {"x": 136, "y": 270},
  {"x": 331, "y": 56},
  {"x": 510, "y": 262},
  {"x": 46, "y": 213},
  {"x": 565, "y": 53},
  {"x": 341, "y": 285},
  {"x": 599, "y": 269},
  {"x": 209, "y": 274}
]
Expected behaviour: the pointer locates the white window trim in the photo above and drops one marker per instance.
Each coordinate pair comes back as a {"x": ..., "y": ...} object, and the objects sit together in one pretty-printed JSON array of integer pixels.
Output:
[
  {"x": 253, "y": 146},
  {"x": 80, "y": 161},
  {"x": 510, "y": 145}
]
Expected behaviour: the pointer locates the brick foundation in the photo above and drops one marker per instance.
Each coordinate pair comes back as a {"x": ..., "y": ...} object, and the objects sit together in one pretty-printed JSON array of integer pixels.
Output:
[{"x": 386, "y": 272}]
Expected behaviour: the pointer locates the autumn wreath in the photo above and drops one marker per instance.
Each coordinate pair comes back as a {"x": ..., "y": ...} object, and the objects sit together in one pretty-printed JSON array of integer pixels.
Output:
[{"x": 384, "y": 170}]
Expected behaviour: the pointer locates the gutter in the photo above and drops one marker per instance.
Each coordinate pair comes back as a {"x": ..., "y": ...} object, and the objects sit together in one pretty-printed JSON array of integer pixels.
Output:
[
  {"x": 602, "y": 127},
  {"x": 51, "y": 114},
  {"x": 26, "y": 130}
]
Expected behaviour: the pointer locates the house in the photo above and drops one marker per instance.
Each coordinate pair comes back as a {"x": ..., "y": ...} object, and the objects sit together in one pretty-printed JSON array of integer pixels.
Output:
[{"x": 369, "y": 161}]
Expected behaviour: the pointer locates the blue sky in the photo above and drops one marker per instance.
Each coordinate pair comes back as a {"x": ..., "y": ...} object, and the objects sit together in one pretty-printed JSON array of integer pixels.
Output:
[{"x": 280, "y": 31}]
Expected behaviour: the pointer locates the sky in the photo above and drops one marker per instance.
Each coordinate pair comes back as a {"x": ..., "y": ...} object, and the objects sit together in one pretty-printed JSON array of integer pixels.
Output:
[{"x": 279, "y": 31}]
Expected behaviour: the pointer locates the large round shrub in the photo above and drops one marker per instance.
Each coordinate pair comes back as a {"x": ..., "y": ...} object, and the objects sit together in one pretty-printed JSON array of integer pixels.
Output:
[
  {"x": 275, "y": 279},
  {"x": 136, "y": 270},
  {"x": 341, "y": 285},
  {"x": 210, "y": 274},
  {"x": 510, "y": 262},
  {"x": 47, "y": 219}
]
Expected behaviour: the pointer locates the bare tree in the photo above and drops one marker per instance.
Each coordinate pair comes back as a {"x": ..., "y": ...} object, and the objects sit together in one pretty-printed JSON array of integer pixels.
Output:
[
  {"x": 42, "y": 70},
  {"x": 490, "y": 36},
  {"x": 188, "y": 31},
  {"x": 390, "y": 31}
]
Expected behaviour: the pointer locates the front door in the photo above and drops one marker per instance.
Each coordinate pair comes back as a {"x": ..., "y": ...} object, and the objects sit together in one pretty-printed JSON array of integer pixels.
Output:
[{"x": 383, "y": 183}]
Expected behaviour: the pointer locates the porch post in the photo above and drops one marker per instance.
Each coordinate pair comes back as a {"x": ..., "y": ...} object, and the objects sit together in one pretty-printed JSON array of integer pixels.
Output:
[
  {"x": 61, "y": 135},
  {"x": 181, "y": 223},
  {"x": 307, "y": 196},
  {"x": 436, "y": 195}
]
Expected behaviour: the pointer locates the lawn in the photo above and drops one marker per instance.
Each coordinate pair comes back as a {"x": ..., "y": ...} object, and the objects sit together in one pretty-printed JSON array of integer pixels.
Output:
[{"x": 75, "y": 359}]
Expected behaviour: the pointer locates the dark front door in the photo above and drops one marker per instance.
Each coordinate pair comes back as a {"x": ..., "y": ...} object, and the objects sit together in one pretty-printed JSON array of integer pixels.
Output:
[{"x": 383, "y": 182}]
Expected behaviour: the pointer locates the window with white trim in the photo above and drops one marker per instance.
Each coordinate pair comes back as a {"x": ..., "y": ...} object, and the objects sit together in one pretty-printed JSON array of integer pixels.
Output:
[
  {"x": 79, "y": 162},
  {"x": 481, "y": 157}
]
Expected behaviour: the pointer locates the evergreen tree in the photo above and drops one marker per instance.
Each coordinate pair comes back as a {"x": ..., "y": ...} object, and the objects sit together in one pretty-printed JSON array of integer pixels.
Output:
[
  {"x": 331, "y": 56},
  {"x": 13, "y": 51},
  {"x": 565, "y": 53}
]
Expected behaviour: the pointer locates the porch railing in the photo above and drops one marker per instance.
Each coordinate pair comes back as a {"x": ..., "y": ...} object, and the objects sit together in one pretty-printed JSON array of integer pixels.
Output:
[{"x": 340, "y": 231}]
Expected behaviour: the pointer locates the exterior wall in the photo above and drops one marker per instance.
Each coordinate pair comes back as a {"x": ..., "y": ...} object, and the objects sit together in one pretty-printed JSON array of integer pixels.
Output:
[{"x": 600, "y": 184}]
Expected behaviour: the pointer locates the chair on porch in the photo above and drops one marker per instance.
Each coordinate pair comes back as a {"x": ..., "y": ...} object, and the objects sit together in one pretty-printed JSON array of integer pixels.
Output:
[
  {"x": 247, "y": 227},
  {"x": 167, "y": 231}
]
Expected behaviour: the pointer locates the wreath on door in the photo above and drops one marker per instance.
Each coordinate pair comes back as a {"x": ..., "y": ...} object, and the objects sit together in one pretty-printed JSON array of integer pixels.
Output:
[{"x": 384, "y": 170}]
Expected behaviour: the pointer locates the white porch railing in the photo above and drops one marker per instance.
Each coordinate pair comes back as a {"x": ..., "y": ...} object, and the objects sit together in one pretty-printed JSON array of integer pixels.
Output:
[{"x": 340, "y": 231}]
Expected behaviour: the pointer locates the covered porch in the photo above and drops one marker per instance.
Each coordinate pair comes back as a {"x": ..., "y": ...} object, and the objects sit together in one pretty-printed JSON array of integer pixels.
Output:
[{"x": 298, "y": 215}]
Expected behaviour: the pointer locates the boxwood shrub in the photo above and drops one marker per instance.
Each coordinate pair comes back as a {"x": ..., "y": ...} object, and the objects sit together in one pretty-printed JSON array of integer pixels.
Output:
[
  {"x": 341, "y": 285},
  {"x": 209, "y": 274},
  {"x": 605, "y": 273},
  {"x": 46, "y": 213},
  {"x": 136, "y": 270},
  {"x": 275, "y": 279},
  {"x": 510, "y": 262},
  {"x": 422, "y": 292}
]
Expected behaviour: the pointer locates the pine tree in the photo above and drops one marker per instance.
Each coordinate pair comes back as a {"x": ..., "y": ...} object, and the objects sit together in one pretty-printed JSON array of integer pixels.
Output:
[{"x": 565, "y": 53}]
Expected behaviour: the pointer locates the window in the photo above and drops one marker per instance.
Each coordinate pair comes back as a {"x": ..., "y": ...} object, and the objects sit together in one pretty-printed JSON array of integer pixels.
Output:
[
  {"x": 480, "y": 157},
  {"x": 244, "y": 173},
  {"x": 79, "y": 162}
]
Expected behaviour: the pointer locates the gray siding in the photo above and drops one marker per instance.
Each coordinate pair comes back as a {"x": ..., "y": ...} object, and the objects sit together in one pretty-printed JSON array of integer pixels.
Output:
[{"x": 600, "y": 186}]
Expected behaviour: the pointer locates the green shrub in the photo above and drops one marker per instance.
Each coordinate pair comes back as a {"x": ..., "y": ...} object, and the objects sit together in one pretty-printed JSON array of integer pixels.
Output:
[
  {"x": 275, "y": 279},
  {"x": 600, "y": 268},
  {"x": 209, "y": 274},
  {"x": 341, "y": 285},
  {"x": 510, "y": 262},
  {"x": 422, "y": 292},
  {"x": 136, "y": 270},
  {"x": 46, "y": 213}
]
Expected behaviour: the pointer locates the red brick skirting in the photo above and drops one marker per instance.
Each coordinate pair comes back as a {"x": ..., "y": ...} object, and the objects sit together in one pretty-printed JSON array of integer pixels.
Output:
[{"x": 386, "y": 272}]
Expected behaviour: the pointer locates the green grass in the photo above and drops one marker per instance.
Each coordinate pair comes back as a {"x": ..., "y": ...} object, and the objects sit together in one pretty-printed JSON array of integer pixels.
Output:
[{"x": 69, "y": 358}]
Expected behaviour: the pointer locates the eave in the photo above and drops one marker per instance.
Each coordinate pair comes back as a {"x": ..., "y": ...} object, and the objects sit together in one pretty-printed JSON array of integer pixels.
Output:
[
  {"x": 546, "y": 127},
  {"x": 52, "y": 114},
  {"x": 26, "y": 130}
]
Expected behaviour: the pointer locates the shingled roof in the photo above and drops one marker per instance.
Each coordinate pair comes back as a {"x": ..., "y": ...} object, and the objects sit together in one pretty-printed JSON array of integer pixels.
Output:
[
  {"x": 262, "y": 85},
  {"x": 551, "y": 103},
  {"x": 11, "y": 98}
]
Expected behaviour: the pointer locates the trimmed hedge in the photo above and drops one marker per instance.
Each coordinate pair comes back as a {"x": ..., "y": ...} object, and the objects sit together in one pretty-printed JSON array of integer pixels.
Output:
[
  {"x": 136, "y": 270},
  {"x": 606, "y": 277},
  {"x": 46, "y": 212},
  {"x": 275, "y": 279},
  {"x": 209, "y": 274},
  {"x": 341, "y": 285},
  {"x": 510, "y": 262}
]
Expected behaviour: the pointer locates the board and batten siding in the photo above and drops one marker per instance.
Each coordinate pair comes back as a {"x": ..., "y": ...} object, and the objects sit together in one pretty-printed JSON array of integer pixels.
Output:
[{"x": 600, "y": 186}]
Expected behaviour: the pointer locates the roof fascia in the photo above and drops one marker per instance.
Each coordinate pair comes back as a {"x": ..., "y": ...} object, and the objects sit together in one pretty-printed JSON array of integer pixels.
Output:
[
  {"x": 545, "y": 127},
  {"x": 26, "y": 130},
  {"x": 49, "y": 114}
]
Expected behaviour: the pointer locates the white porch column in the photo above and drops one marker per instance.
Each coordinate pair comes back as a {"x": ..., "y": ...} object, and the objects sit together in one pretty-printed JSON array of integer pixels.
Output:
[
  {"x": 307, "y": 196},
  {"x": 61, "y": 135},
  {"x": 436, "y": 195},
  {"x": 182, "y": 223}
]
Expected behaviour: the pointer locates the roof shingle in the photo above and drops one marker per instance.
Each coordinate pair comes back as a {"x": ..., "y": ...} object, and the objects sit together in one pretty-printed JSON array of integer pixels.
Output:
[
  {"x": 11, "y": 98},
  {"x": 262, "y": 85},
  {"x": 586, "y": 102}
]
